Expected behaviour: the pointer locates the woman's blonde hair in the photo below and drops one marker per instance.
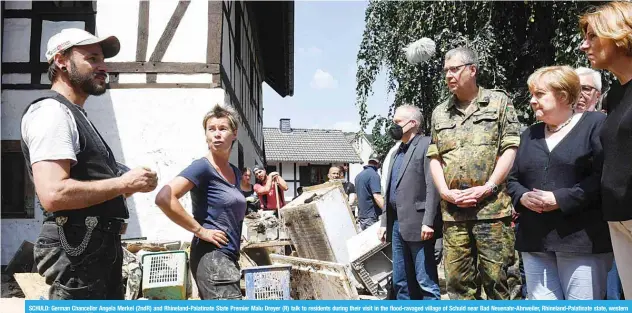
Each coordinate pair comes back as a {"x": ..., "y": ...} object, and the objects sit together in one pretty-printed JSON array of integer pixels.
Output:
[
  {"x": 613, "y": 21},
  {"x": 561, "y": 80},
  {"x": 219, "y": 111}
]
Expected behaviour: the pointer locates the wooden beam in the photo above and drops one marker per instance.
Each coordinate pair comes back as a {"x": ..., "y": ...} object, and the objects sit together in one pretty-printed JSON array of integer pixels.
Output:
[
  {"x": 122, "y": 67},
  {"x": 143, "y": 31},
  {"x": 162, "y": 67},
  {"x": 170, "y": 30},
  {"x": 117, "y": 86},
  {"x": 214, "y": 40},
  {"x": 34, "y": 53},
  {"x": 159, "y": 85},
  {"x": 11, "y": 145}
]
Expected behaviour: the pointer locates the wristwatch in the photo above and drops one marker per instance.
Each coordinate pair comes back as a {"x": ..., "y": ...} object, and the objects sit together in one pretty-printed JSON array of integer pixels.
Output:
[{"x": 492, "y": 187}]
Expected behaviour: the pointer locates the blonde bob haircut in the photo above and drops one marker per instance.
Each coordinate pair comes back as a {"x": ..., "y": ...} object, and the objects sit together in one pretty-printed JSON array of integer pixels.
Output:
[
  {"x": 561, "y": 80},
  {"x": 613, "y": 21},
  {"x": 219, "y": 111}
]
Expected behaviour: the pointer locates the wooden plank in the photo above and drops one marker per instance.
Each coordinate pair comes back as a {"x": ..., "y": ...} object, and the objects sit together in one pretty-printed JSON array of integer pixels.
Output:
[
  {"x": 151, "y": 78},
  {"x": 34, "y": 53},
  {"x": 159, "y": 85},
  {"x": 265, "y": 244},
  {"x": 22, "y": 261},
  {"x": 33, "y": 285},
  {"x": 12, "y": 146},
  {"x": 123, "y": 67},
  {"x": 170, "y": 30},
  {"x": 143, "y": 31},
  {"x": 214, "y": 40},
  {"x": 162, "y": 67}
]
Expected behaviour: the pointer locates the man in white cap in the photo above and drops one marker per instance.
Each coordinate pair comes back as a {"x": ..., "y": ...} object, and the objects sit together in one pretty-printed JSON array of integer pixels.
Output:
[{"x": 78, "y": 182}]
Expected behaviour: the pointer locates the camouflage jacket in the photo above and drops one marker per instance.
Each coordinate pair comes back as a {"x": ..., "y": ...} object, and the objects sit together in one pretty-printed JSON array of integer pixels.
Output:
[{"x": 469, "y": 146}]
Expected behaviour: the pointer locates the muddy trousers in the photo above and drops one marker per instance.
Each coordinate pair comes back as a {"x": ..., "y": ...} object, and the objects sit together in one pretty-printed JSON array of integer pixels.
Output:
[
  {"x": 95, "y": 274},
  {"x": 478, "y": 253},
  {"x": 217, "y": 275}
]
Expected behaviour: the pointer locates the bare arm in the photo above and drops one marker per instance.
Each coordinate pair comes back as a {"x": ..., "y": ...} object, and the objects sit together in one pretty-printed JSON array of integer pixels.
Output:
[
  {"x": 282, "y": 183},
  {"x": 264, "y": 189},
  {"x": 58, "y": 192},
  {"x": 379, "y": 200},
  {"x": 352, "y": 198},
  {"x": 505, "y": 162},
  {"x": 437, "y": 176},
  {"x": 168, "y": 201}
]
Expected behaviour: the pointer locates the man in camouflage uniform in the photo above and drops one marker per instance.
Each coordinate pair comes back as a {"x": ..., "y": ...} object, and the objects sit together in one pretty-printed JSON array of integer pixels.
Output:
[{"x": 475, "y": 135}]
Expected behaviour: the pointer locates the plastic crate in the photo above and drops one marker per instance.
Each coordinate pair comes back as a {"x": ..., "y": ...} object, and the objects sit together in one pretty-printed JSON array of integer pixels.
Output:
[
  {"x": 165, "y": 275},
  {"x": 374, "y": 268},
  {"x": 268, "y": 282}
]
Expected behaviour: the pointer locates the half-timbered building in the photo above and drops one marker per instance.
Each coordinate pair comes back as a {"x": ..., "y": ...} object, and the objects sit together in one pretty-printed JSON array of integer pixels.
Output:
[{"x": 177, "y": 60}]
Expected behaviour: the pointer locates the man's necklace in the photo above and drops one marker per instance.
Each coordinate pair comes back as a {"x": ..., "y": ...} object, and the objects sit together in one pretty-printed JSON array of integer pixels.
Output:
[{"x": 568, "y": 121}]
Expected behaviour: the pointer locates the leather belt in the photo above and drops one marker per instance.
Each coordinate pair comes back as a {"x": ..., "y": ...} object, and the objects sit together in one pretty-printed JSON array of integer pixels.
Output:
[{"x": 110, "y": 225}]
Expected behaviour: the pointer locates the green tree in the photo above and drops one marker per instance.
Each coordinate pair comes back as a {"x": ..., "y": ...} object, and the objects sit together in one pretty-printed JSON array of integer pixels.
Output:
[{"x": 512, "y": 40}]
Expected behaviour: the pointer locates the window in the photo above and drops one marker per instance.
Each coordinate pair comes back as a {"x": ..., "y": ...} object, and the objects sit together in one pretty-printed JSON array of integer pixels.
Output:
[
  {"x": 237, "y": 30},
  {"x": 240, "y": 155},
  {"x": 313, "y": 174},
  {"x": 17, "y": 188},
  {"x": 42, "y": 16}
]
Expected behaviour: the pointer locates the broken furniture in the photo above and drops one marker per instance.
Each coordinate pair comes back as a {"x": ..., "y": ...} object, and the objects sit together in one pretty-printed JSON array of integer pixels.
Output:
[
  {"x": 318, "y": 280},
  {"x": 319, "y": 223},
  {"x": 370, "y": 261},
  {"x": 268, "y": 282}
]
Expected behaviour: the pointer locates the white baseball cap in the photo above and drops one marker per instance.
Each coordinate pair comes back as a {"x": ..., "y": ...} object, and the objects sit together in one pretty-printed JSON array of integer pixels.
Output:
[{"x": 71, "y": 37}]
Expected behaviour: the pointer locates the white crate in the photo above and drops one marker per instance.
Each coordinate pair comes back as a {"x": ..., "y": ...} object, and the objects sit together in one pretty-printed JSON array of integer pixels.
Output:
[{"x": 165, "y": 275}]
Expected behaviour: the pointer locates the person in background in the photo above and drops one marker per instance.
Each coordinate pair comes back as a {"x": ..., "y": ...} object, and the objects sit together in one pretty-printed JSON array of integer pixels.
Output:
[
  {"x": 475, "y": 135},
  {"x": 219, "y": 208},
  {"x": 270, "y": 188},
  {"x": 411, "y": 212},
  {"x": 370, "y": 200},
  {"x": 590, "y": 98},
  {"x": 554, "y": 185},
  {"x": 607, "y": 32},
  {"x": 247, "y": 189},
  {"x": 590, "y": 81},
  {"x": 338, "y": 173}
]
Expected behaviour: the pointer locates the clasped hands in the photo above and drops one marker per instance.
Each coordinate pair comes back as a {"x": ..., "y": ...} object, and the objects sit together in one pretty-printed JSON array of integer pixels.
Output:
[
  {"x": 467, "y": 198},
  {"x": 539, "y": 201}
]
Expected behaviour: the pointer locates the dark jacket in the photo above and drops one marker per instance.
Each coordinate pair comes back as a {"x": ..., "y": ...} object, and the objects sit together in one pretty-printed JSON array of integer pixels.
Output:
[
  {"x": 417, "y": 197},
  {"x": 572, "y": 171}
]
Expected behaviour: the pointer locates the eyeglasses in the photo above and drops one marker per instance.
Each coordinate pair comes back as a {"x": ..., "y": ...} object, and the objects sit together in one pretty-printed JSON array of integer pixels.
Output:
[
  {"x": 454, "y": 69},
  {"x": 588, "y": 88}
]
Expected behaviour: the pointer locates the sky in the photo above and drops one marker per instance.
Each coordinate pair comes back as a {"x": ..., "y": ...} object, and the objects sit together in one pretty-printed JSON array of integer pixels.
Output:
[{"x": 327, "y": 36}]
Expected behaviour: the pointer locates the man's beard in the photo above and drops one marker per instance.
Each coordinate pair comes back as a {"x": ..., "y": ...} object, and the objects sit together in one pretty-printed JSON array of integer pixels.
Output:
[{"x": 86, "y": 82}]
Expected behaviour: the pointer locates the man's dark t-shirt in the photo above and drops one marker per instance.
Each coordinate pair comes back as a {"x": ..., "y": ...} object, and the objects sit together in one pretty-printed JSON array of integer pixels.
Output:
[
  {"x": 349, "y": 188},
  {"x": 217, "y": 204},
  {"x": 367, "y": 184}
]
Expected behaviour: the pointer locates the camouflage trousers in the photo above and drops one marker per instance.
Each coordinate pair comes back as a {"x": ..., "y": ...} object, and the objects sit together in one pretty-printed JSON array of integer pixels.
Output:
[{"x": 478, "y": 254}]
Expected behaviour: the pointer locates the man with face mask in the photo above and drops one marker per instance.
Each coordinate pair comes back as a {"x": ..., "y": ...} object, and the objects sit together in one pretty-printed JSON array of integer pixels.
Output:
[
  {"x": 412, "y": 203},
  {"x": 77, "y": 180},
  {"x": 475, "y": 134}
]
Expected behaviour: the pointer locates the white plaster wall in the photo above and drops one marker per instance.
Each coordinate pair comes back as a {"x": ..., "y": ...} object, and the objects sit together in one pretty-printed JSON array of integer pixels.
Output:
[
  {"x": 50, "y": 28},
  {"x": 16, "y": 34},
  {"x": 18, "y": 5},
  {"x": 188, "y": 43},
  {"x": 16, "y": 78},
  {"x": 159, "y": 128}
]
